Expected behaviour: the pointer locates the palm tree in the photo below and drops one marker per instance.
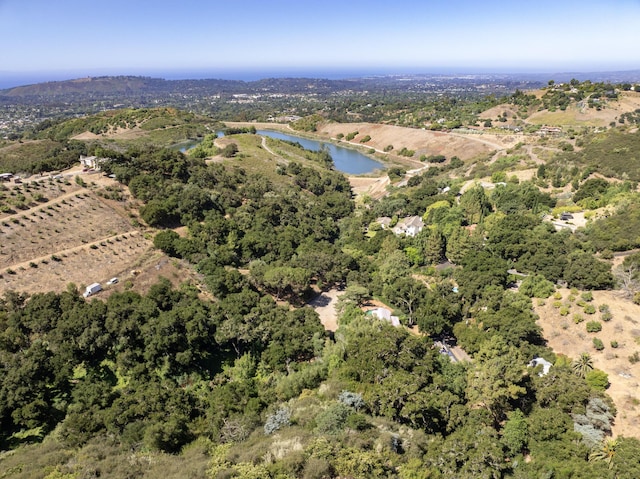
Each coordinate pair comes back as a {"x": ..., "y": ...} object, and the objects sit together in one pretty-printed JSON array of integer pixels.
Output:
[
  {"x": 606, "y": 453},
  {"x": 582, "y": 365}
]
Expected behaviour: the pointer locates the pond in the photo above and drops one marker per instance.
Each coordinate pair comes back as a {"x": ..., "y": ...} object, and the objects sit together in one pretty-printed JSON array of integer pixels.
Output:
[{"x": 345, "y": 160}]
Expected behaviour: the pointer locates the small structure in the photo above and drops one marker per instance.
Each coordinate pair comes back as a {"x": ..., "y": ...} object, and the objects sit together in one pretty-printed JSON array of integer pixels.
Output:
[
  {"x": 384, "y": 221},
  {"x": 546, "y": 365},
  {"x": 409, "y": 226},
  {"x": 385, "y": 315},
  {"x": 549, "y": 130},
  {"x": 92, "y": 162},
  {"x": 566, "y": 216}
]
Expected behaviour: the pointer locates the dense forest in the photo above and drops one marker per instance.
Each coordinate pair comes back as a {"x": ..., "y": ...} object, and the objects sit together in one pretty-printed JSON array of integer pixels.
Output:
[{"x": 240, "y": 379}]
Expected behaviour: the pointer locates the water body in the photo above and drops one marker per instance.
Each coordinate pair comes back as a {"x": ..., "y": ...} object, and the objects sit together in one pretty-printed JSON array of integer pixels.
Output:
[
  {"x": 187, "y": 145},
  {"x": 345, "y": 160}
]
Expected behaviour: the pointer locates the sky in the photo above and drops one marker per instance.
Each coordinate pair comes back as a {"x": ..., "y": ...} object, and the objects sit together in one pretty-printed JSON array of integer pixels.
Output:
[{"x": 61, "y": 39}]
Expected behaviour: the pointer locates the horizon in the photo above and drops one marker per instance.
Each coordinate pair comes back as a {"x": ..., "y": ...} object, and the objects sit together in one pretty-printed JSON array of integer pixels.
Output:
[
  {"x": 286, "y": 36},
  {"x": 10, "y": 80}
]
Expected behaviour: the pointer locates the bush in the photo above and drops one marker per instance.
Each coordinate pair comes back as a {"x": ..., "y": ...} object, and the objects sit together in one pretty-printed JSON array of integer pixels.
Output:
[
  {"x": 594, "y": 326},
  {"x": 353, "y": 400},
  {"x": 578, "y": 318},
  {"x": 598, "y": 344},
  {"x": 634, "y": 358},
  {"x": 281, "y": 418},
  {"x": 606, "y": 316},
  {"x": 332, "y": 420},
  {"x": 598, "y": 380},
  {"x": 614, "y": 344},
  {"x": 587, "y": 296},
  {"x": 590, "y": 309}
]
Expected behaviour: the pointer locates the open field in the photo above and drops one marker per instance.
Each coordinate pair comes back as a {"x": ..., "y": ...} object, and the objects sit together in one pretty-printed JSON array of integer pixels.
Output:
[{"x": 567, "y": 337}]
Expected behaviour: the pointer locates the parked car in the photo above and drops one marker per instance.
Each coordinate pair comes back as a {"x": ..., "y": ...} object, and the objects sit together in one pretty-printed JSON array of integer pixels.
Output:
[{"x": 112, "y": 281}]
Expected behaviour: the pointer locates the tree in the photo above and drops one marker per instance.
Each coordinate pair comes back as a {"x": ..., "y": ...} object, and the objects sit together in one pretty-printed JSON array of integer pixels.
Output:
[
  {"x": 582, "y": 365},
  {"x": 475, "y": 204},
  {"x": 496, "y": 378},
  {"x": 587, "y": 272},
  {"x": 515, "y": 433},
  {"x": 440, "y": 310},
  {"x": 354, "y": 294},
  {"x": 537, "y": 286},
  {"x": 597, "y": 379},
  {"x": 408, "y": 294},
  {"x": 229, "y": 151}
]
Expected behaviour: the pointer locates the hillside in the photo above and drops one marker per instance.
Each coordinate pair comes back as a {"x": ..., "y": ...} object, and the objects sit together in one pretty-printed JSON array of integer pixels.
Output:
[{"x": 208, "y": 358}]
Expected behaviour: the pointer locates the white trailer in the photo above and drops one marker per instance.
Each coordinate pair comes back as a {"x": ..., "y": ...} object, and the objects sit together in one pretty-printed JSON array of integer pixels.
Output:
[{"x": 92, "y": 289}]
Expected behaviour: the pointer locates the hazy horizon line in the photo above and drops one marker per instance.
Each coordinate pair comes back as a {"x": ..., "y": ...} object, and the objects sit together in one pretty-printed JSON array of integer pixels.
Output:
[{"x": 12, "y": 79}]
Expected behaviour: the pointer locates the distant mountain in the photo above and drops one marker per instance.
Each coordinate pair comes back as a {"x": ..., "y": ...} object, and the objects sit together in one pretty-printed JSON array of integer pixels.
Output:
[{"x": 124, "y": 86}]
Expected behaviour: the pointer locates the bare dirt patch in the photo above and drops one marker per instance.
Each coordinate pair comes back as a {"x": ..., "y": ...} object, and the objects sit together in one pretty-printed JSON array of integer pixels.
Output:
[
  {"x": 422, "y": 142},
  {"x": 567, "y": 337},
  {"x": 325, "y": 305},
  {"x": 376, "y": 188}
]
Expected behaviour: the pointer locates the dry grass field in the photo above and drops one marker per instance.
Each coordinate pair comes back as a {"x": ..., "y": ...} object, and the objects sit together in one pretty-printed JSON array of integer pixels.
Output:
[{"x": 568, "y": 337}]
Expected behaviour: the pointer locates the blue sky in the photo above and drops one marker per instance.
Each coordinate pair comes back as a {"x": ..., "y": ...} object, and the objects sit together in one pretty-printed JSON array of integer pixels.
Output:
[{"x": 80, "y": 38}]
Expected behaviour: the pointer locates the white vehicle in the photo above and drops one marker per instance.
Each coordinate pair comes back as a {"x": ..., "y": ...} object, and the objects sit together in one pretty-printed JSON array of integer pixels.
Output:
[
  {"x": 92, "y": 289},
  {"x": 112, "y": 281}
]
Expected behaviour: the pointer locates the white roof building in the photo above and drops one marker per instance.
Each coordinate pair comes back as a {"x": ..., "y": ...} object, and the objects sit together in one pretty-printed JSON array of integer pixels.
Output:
[{"x": 409, "y": 226}]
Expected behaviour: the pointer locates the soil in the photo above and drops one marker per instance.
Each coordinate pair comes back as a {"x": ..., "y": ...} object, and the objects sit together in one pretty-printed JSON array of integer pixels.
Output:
[
  {"x": 325, "y": 305},
  {"x": 566, "y": 337},
  {"x": 422, "y": 142}
]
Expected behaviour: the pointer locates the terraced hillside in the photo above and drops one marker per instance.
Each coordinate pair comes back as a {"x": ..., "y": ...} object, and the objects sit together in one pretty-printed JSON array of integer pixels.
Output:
[{"x": 72, "y": 235}]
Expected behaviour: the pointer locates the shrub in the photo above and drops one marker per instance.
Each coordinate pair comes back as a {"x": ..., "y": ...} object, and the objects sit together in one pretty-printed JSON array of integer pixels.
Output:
[
  {"x": 594, "y": 326},
  {"x": 587, "y": 296},
  {"x": 590, "y": 309},
  {"x": 606, "y": 316},
  {"x": 353, "y": 400},
  {"x": 598, "y": 344},
  {"x": 598, "y": 380},
  {"x": 351, "y": 135},
  {"x": 281, "y": 418},
  {"x": 614, "y": 344},
  {"x": 603, "y": 308},
  {"x": 332, "y": 420},
  {"x": 634, "y": 358},
  {"x": 564, "y": 311}
]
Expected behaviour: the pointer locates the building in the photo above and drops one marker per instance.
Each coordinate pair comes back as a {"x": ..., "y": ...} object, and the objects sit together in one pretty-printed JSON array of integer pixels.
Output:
[
  {"x": 546, "y": 365},
  {"x": 410, "y": 226},
  {"x": 91, "y": 162},
  {"x": 385, "y": 315}
]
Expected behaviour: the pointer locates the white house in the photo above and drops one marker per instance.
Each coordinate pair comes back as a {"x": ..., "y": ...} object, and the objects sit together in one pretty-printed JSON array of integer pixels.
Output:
[
  {"x": 546, "y": 365},
  {"x": 410, "y": 226}
]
